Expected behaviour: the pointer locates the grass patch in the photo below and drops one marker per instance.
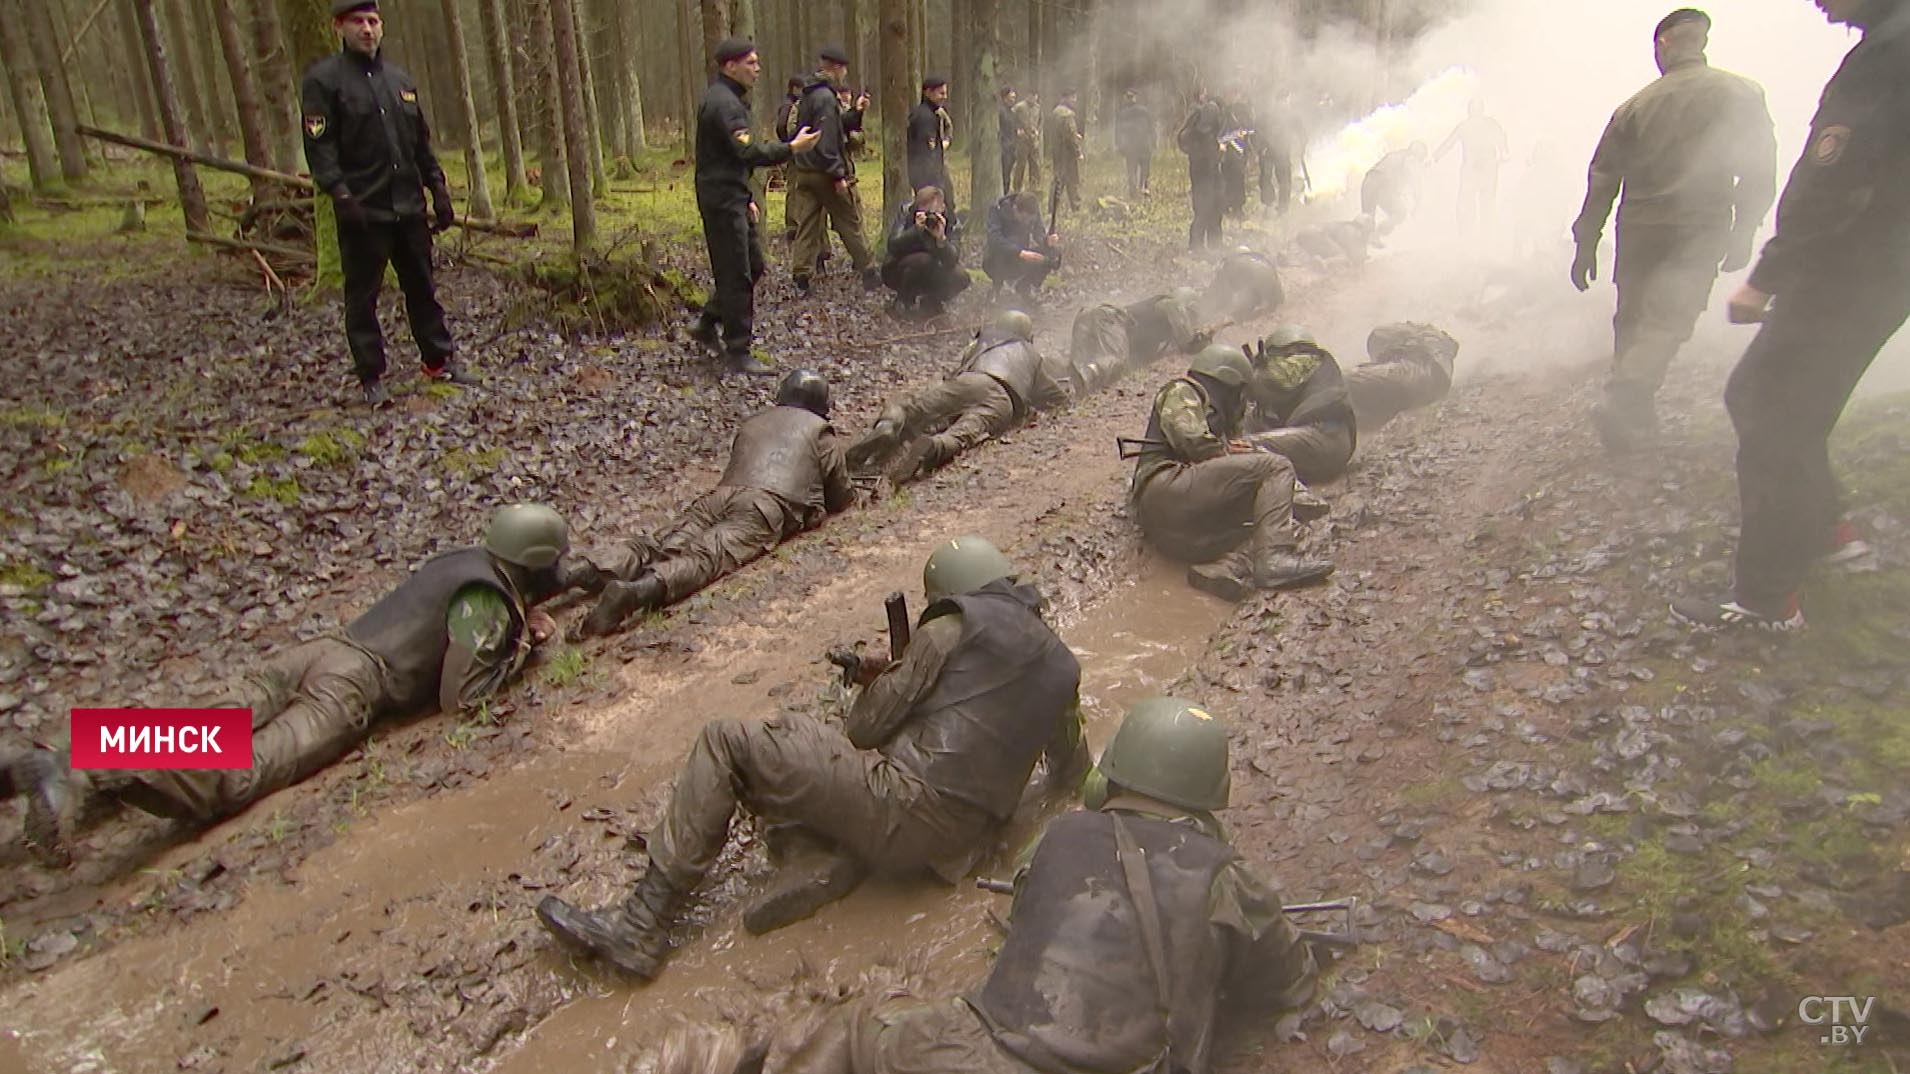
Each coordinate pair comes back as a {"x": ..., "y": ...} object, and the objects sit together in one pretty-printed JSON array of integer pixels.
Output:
[
  {"x": 333, "y": 448},
  {"x": 566, "y": 667},
  {"x": 25, "y": 575},
  {"x": 283, "y": 489},
  {"x": 464, "y": 463},
  {"x": 32, "y": 416},
  {"x": 1431, "y": 793}
]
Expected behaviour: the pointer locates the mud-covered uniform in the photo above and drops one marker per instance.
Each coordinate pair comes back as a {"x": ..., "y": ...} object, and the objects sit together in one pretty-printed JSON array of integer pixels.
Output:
[
  {"x": 934, "y": 756},
  {"x": 368, "y": 145},
  {"x": 726, "y": 153},
  {"x": 449, "y": 636},
  {"x": 1136, "y": 934},
  {"x": 813, "y": 175},
  {"x": 1298, "y": 409},
  {"x": 999, "y": 384},
  {"x": 1839, "y": 266},
  {"x": 1410, "y": 368},
  {"x": 1195, "y": 500},
  {"x": 1108, "y": 342},
  {"x": 785, "y": 476},
  {"x": 1694, "y": 155},
  {"x": 1245, "y": 285},
  {"x": 1064, "y": 149}
]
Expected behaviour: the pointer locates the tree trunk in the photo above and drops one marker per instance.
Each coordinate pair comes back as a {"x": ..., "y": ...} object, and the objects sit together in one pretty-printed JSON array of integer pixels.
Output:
[
  {"x": 308, "y": 31},
  {"x": 961, "y": 70},
  {"x": 45, "y": 44},
  {"x": 918, "y": 40},
  {"x": 136, "y": 70},
  {"x": 587, "y": 78},
  {"x": 178, "y": 30},
  {"x": 984, "y": 147},
  {"x": 895, "y": 98},
  {"x": 504, "y": 89},
  {"x": 29, "y": 103},
  {"x": 689, "y": 37},
  {"x": 583, "y": 210},
  {"x": 245, "y": 93},
  {"x": 552, "y": 158},
  {"x": 192, "y": 198},
  {"x": 480, "y": 183},
  {"x": 73, "y": 64},
  {"x": 1036, "y": 70},
  {"x": 217, "y": 94},
  {"x": 716, "y": 26},
  {"x": 616, "y": 74},
  {"x": 278, "y": 86},
  {"x": 629, "y": 59}
]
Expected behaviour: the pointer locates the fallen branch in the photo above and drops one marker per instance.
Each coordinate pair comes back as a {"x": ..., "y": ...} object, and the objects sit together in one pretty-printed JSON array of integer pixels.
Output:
[
  {"x": 67, "y": 56},
  {"x": 258, "y": 247},
  {"x": 522, "y": 230},
  {"x": 215, "y": 163},
  {"x": 271, "y": 278}
]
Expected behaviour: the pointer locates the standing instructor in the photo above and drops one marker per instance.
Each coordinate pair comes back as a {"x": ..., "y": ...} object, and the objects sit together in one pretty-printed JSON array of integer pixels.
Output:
[
  {"x": 369, "y": 147},
  {"x": 726, "y": 152}
]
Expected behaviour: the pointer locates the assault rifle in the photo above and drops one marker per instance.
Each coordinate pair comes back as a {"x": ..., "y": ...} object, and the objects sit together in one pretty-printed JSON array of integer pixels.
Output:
[
  {"x": 1344, "y": 940},
  {"x": 896, "y": 607}
]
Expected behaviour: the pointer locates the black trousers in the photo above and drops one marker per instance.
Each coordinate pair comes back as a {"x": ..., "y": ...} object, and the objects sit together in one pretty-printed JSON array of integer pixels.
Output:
[
  {"x": 363, "y": 253},
  {"x": 735, "y": 244},
  {"x": 1276, "y": 178},
  {"x": 1008, "y": 169},
  {"x": 917, "y": 277},
  {"x": 1138, "y": 167},
  {"x": 1203, "y": 189},
  {"x": 1785, "y": 398}
]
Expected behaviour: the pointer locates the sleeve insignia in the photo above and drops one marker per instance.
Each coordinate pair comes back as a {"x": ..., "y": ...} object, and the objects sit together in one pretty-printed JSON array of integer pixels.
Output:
[
  {"x": 1829, "y": 146},
  {"x": 315, "y": 126},
  {"x": 408, "y": 96},
  {"x": 742, "y": 137}
]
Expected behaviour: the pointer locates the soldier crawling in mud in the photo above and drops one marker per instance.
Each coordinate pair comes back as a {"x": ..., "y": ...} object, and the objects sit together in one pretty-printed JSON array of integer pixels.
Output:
[
  {"x": 934, "y": 757},
  {"x": 1001, "y": 381},
  {"x": 1347, "y": 240},
  {"x": 1137, "y": 935},
  {"x": 450, "y": 635},
  {"x": 1201, "y": 493},
  {"x": 1108, "y": 342},
  {"x": 1246, "y": 284},
  {"x": 785, "y": 476},
  {"x": 1298, "y": 407},
  {"x": 1410, "y": 368}
]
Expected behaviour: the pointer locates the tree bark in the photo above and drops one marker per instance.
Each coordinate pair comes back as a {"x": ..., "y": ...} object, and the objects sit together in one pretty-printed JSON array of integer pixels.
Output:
[
  {"x": 716, "y": 26},
  {"x": 245, "y": 93},
  {"x": 59, "y": 92},
  {"x": 178, "y": 30},
  {"x": 918, "y": 40},
  {"x": 479, "y": 182},
  {"x": 587, "y": 78},
  {"x": 136, "y": 70},
  {"x": 308, "y": 32},
  {"x": 504, "y": 89},
  {"x": 984, "y": 147},
  {"x": 552, "y": 158},
  {"x": 895, "y": 99},
  {"x": 192, "y": 197},
  {"x": 1036, "y": 70},
  {"x": 217, "y": 94},
  {"x": 689, "y": 37},
  {"x": 278, "y": 84},
  {"x": 630, "y": 60},
  {"x": 29, "y": 103},
  {"x": 583, "y": 209}
]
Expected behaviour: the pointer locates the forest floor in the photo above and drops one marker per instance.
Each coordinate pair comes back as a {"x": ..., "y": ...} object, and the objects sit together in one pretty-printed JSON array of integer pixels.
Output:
[{"x": 1582, "y": 839}]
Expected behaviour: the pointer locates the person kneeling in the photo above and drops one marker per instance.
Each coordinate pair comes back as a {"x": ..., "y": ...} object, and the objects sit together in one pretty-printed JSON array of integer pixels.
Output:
[
  {"x": 1020, "y": 254},
  {"x": 922, "y": 266}
]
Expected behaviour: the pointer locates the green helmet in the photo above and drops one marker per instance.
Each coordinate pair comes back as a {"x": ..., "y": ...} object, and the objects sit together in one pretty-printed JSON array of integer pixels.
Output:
[
  {"x": 1224, "y": 364},
  {"x": 1186, "y": 296},
  {"x": 1172, "y": 750},
  {"x": 1289, "y": 335},
  {"x": 1017, "y": 324},
  {"x": 527, "y": 534},
  {"x": 963, "y": 565}
]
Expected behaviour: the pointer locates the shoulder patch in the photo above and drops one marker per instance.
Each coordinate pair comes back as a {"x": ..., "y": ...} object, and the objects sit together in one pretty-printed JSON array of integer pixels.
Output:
[
  {"x": 315, "y": 126},
  {"x": 742, "y": 137},
  {"x": 1829, "y": 146},
  {"x": 409, "y": 96}
]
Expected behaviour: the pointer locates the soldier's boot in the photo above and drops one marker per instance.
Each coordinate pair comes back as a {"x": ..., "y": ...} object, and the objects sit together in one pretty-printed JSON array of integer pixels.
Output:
[
  {"x": 53, "y": 791},
  {"x": 703, "y": 332},
  {"x": 811, "y": 875},
  {"x": 746, "y": 363},
  {"x": 875, "y": 444},
  {"x": 916, "y": 458},
  {"x": 620, "y": 601},
  {"x": 1307, "y": 505},
  {"x": 1283, "y": 568},
  {"x": 577, "y": 573},
  {"x": 1230, "y": 577},
  {"x": 633, "y": 935}
]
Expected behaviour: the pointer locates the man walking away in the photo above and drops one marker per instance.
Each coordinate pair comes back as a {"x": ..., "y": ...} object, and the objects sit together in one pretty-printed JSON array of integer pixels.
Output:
[
  {"x": 1134, "y": 140},
  {"x": 821, "y": 180}
]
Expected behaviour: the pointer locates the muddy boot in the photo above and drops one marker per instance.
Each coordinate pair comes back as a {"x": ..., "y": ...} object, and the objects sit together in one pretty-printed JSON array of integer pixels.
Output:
[
  {"x": 747, "y": 364},
  {"x": 703, "y": 333},
  {"x": 633, "y": 935},
  {"x": 910, "y": 462},
  {"x": 875, "y": 444},
  {"x": 620, "y": 601},
  {"x": 814, "y": 877},
  {"x": 52, "y": 791},
  {"x": 1283, "y": 568},
  {"x": 1230, "y": 577},
  {"x": 1306, "y": 505}
]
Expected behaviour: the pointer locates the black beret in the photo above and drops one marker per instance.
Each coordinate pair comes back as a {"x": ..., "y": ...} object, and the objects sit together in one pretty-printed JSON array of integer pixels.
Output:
[
  {"x": 342, "y": 8},
  {"x": 833, "y": 54},
  {"x": 1679, "y": 18},
  {"x": 731, "y": 49},
  {"x": 933, "y": 81}
]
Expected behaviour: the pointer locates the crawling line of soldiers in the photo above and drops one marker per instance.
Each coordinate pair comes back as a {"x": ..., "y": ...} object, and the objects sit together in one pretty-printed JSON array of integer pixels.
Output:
[{"x": 948, "y": 728}]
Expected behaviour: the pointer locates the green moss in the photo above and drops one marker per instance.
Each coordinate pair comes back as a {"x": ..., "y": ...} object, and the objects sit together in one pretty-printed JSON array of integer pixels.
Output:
[
  {"x": 283, "y": 489},
  {"x": 333, "y": 448},
  {"x": 32, "y": 416},
  {"x": 1787, "y": 777},
  {"x": 25, "y": 575},
  {"x": 465, "y": 463},
  {"x": 566, "y": 667}
]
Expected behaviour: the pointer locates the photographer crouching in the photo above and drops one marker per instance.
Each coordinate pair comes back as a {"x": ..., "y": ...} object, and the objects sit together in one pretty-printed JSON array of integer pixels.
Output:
[{"x": 922, "y": 266}]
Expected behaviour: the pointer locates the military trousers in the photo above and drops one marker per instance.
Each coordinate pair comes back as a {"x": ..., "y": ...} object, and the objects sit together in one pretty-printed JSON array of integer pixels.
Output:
[
  {"x": 1664, "y": 278},
  {"x": 720, "y": 532},
  {"x": 1203, "y": 191},
  {"x": 1276, "y": 179},
  {"x": 1785, "y": 397},
  {"x": 1382, "y": 391},
  {"x": 1067, "y": 180},
  {"x": 735, "y": 246},
  {"x": 1098, "y": 349},
  {"x": 1008, "y": 154},
  {"x": 1242, "y": 291},
  {"x": 1319, "y": 453},
  {"x": 820, "y": 207},
  {"x": 311, "y": 704},
  {"x": 900, "y": 1034},
  {"x": 957, "y": 414},
  {"x": 1027, "y": 167},
  {"x": 1197, "y": 512},
  {"x": 363, "y": 252},
  {"x": 1139, "y": 168},
  {"x": 793, "y": 768}
]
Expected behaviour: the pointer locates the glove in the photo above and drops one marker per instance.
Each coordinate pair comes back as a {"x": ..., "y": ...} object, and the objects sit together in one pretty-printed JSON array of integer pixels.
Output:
[
  {"x": 443, "y": 215},
  {"x": 349, "y": 210},
  {"x": 1585, "y": 266},
  {"x": 1738, "y": 256}
]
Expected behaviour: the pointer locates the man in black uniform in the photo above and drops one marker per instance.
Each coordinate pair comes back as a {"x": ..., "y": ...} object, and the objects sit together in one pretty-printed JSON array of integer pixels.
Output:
[
  {"x": 1839, "y": 271},
  {"x": 726, "y": 152},
  {"x": 928, "y": 133},
  {"x": 1008, "y": 134},
  {"x": 1199, "y": 138},
  {"x": 1019, "y": 251},
  {"x": 785, "y": 476},
  {"x": 369, "y": 147}
]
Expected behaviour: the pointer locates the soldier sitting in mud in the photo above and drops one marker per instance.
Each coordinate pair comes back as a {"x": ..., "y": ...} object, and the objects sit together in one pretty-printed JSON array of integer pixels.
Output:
[
  {"x": 1297, "y": 405},
  {"x": 1346, "y": 240},
  {"x": 450, "y": 635},
  {"x": 1411, "y": 368},
  {"x": 1246, "y": 284},
  {"x": 785, "y": 476},
  {"x": 1201, "y": 493},
  {"x": 1109, "y": 342},
  {"x": 1136, "y": 938},
  {"x": 934, "y": 757},
  {"x": 1001, "y": 381}
]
